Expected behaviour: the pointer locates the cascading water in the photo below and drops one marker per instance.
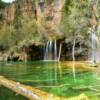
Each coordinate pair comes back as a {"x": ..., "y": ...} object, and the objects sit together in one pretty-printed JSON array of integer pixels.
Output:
[
  {"x": 46, "y": 51},
  {"x": 93, "y": 37},
  {"x": 55, "y": 50},
  {"x": 95, "y": 53},
  {"x": 49, "y": 55},
  {"x": 50, "y": 52},
  {"x": 59, "y": 56}
]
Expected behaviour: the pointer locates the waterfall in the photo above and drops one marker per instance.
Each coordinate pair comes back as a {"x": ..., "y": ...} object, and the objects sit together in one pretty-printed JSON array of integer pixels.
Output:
[
  {"x": 93, "y": 47},
  {"x": 95, "y": 52},
  {"x": 50, "y": 55},
  {"x": 50, "y": 52},
  {"x": 46, "y": 51},
  {"x": 59, "y": 52},
  {"x": 55, "y": 50},
  {"x": 73, "y": 57}
]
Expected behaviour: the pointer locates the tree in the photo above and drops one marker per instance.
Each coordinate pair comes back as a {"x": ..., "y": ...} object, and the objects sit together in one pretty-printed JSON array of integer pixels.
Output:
[
  {"x": 5, "y": 36},
  {"x": 80, "y": 15}
]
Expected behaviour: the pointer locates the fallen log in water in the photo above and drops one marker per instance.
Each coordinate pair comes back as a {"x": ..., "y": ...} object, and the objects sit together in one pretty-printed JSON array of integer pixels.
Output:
[
  {"x": 85, "y": 88},
  {"x": 32, "y": 93},
  {"x": 27, "y": 91}
]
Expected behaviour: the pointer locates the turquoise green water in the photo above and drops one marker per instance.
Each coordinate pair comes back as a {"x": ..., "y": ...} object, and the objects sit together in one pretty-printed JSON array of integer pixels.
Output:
[{"x": 50, "y": 77}]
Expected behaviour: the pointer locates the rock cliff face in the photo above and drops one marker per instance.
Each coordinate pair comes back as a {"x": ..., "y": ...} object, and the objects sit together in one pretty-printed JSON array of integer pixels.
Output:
[
  {"x": 27, "y": 7},
  {"x": 9, "y": 13},
  {"x": 47, "y": 14},
  {"x": 24, "y": 7}
]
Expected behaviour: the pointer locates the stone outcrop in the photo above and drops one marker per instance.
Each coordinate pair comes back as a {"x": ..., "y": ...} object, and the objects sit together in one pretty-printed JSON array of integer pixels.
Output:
[
  {"x": 49, "y": 17},
  {"x": 25, "y": 7}
]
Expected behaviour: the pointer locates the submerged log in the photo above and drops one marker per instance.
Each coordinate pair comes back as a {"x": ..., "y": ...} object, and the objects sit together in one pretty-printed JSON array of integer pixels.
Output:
[
  {"x": 85, "y": 88},
  {"x": 80, "y": 88},
  {"x": 32, "y": 93},
  {"x": 27, "y": 91}
]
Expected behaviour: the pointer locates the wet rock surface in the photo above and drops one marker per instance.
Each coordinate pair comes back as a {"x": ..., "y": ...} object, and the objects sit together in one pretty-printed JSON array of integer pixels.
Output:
[{"x": 37, "y": 52}]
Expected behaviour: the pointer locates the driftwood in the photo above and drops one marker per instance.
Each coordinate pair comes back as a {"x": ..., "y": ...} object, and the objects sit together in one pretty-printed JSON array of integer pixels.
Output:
[
  {"x": 32, "y": 93},
  {"x": 86, "y": 88},
  {"x": 27, "y": 91}
]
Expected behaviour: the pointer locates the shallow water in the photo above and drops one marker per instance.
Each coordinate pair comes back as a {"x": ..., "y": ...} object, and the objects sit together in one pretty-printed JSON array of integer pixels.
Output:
[{"x": 51, "y": 77}]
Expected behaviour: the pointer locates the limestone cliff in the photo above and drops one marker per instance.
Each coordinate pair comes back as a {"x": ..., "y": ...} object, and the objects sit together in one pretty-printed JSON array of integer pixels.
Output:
[
  {"x": 8, "y": 13},
  {"x": 47, "y": 14}
]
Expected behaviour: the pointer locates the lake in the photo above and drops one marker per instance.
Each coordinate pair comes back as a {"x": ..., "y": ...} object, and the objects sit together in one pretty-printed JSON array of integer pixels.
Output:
[{"x": 52, "y": 77}]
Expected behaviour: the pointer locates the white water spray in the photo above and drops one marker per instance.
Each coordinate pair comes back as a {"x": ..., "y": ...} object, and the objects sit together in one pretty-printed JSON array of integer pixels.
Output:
[
  {"x": 60, "y": 52},
  {"x": 55, "y": 50},
  {"x": 95, "y": 54},
  {"x": 50, "y": 53}
]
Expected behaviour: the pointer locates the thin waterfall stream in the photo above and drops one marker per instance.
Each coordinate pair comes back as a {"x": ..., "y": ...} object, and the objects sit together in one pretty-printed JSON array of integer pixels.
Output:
[
  {"x": 55, "y": 50},
  {"x": 95, "y": 52},
  {"x": 48, "y": 56},
  {"x": 50, "y": 51},
  {"x": 60, "y": 52}
]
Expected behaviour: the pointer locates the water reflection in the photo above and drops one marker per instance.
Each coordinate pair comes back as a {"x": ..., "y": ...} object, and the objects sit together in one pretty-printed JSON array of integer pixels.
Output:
[{"x": 52, "y": 77}]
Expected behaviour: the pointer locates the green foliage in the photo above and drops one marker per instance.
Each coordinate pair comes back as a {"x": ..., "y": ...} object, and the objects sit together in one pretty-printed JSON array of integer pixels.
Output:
[
  {"x": 2, "y": 4},
  {"x": 76, "y": 17},
  {"x": 25, "y": 31},
  {"x": 1, "y": 17},
  {"x": 77, "y": 21},
  {"x": 5, "y": 36},
  {"x": 67, "y": 6}
]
